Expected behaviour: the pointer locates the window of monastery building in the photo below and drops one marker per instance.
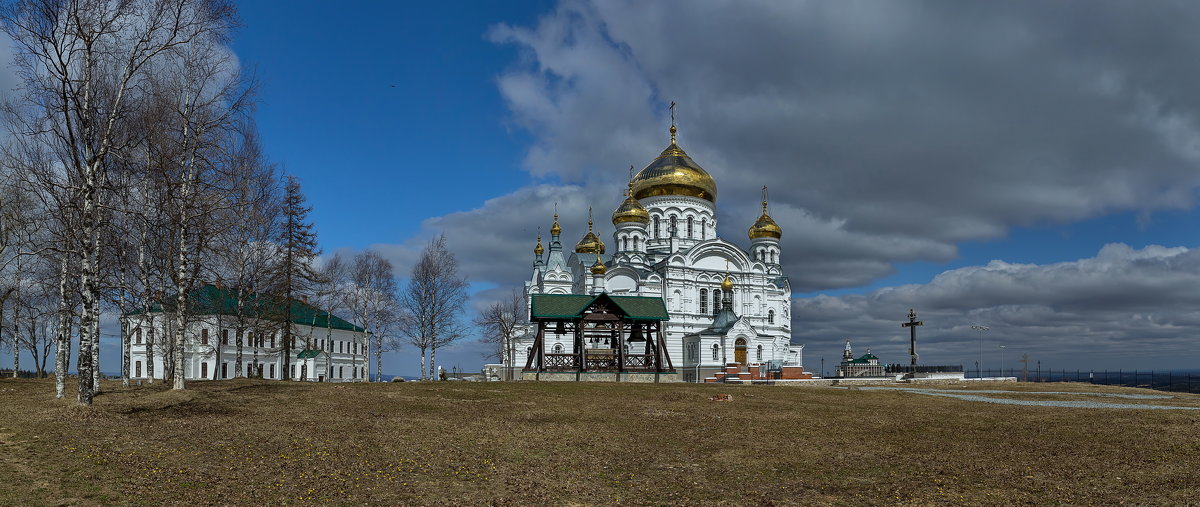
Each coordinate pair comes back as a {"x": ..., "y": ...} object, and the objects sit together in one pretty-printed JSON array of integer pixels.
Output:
[
  {"x": 716, "y": 352},
  {"x": 204, "y": 336},
  {"x": 224, "y": 337},
  {"x": 137, "y": 368},
  {"x": 204, "y": 370},
  {"x": 137, "y": 337}
]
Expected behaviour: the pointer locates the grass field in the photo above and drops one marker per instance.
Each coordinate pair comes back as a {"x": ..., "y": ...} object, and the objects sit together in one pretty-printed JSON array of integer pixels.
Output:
[{"x": 527, "y": 443}]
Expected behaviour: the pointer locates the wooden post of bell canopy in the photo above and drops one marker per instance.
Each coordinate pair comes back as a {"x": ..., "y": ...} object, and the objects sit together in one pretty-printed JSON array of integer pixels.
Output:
[
  {"x": 582, "y": 345},
  {"x": 663, "y": 344},
  {"x": 538, "y": 342},
  {"x": 620, "y": 345},
  {"x": 536, "y": 338}
]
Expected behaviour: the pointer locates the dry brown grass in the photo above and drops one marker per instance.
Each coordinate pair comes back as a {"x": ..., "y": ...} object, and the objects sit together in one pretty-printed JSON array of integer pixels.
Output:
[{"x": 524, "y": 443}]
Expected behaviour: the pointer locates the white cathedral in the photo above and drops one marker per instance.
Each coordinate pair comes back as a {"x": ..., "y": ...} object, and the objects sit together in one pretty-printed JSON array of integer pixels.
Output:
[{"x": 666, "y": 245}]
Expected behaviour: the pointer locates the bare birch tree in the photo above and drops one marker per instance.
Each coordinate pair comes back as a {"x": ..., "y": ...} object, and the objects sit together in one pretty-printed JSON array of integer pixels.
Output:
[
  {"x": 502, "y": 322},
  {"x": 375, "y": 303},
  {"x": 82, "y": 63},
  {"x": 432, "y": 303}
]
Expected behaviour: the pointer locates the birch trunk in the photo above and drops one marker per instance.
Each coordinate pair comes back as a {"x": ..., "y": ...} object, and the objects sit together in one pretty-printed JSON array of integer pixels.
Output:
[
  {"x": 62, "y": 346},
  {"x": 433, "y": 364},
  {"x": 96, "y": 375},
  {"x": 16, "y": 333},
  {"x": 89, "y": 322}
]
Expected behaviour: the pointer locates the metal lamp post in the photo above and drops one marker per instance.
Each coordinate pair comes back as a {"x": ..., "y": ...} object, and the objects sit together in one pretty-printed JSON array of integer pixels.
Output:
[
  {"x": 1002, "y": 360},
  {"x": 982, "y": 329}
]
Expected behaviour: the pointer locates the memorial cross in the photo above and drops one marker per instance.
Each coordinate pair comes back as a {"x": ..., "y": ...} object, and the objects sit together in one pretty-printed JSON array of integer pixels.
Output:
[{"x": 912, "y": 328}]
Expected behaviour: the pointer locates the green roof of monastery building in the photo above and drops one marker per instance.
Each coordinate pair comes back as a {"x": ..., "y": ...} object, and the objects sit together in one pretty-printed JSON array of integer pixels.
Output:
[{"x": 213, "y": 300}]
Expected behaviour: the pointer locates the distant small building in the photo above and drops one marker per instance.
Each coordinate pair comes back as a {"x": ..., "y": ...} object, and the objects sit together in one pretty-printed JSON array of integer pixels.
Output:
[
  {"x": 221, "y": 345},
  {"x": 865, "y": 366}
]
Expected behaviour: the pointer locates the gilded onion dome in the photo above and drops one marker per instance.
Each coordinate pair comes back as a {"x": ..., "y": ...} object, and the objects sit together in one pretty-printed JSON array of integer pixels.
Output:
[
  {"x": 765, "y": 226},
  {"x": 727, "y": 283},
  {"x": 590, "y": 242},
  {"x": 555, "y": 229},
  {"x": 631, "y": 210},
  {"x": 674, "y": 173},
  {"x": 537, "y": 250},
  {"x": 599, "y": 268}
]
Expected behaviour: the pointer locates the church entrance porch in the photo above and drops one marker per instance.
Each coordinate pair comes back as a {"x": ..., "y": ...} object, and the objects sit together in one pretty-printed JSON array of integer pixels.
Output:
[{"x": 739, "y": 351}]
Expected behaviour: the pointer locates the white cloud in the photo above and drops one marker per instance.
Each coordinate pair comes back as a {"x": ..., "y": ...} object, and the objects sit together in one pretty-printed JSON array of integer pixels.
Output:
[{"x": 1122, "y": 308}]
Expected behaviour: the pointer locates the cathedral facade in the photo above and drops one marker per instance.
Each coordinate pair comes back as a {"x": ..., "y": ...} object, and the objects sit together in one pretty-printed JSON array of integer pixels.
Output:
[{"x": 726, "y": 304}]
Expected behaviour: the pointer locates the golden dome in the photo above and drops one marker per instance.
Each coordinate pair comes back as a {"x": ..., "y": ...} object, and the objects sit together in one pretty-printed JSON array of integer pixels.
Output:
[
  {"x": 674, "y": 173},
  {"x": 537, "y": 250},
  {"x": 590, "y": 242},
  {"x": 631, "y": 210},
  {"x": 598, "y": 268},
  {"x": 727, "y": 284},
  {"x": 555, "y": 230},
  {"x": 765, "y": 227}
]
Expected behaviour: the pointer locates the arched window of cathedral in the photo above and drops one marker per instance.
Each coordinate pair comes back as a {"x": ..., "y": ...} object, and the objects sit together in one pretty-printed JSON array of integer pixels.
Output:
[
  {"x": 558, "y": 348},
  {"x": 760, "y": 352},
  {"x": 716, "y": 301},
  {"x": 703, "y": 300},
  {"x": 703, "y": 228},
  {"x": 657, "y": 231},
  {"x": 689, "y": 229},
  {"x": 716, "y": 352},
  {"x": 528, "y": 351},
  {"x": 770, "y": 316},
  {"x": 674, "y": 226}
]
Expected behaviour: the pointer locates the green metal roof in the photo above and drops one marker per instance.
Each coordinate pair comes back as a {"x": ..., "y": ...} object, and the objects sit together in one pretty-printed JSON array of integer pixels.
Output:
[
  {"x": 210, "y": 300},
  {"x": 308, "y": 354},
  {"x": 571, "y": 306},
  {"x": 866, "y": 358}
]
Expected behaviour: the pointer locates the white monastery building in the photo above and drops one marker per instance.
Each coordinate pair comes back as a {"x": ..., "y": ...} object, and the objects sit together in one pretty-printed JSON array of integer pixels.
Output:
[
  {"x": 220, "y": 344},
  {"x": 666, "y": 245}
]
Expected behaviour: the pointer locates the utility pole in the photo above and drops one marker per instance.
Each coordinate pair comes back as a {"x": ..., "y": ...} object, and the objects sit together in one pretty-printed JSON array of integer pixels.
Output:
[{"x": 982, "y": 329}]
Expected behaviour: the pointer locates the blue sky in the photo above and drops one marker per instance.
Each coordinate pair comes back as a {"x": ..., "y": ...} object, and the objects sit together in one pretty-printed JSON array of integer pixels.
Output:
[
  {"x": 375, "y": 105},
  {"x": 1027, "y": 165}
]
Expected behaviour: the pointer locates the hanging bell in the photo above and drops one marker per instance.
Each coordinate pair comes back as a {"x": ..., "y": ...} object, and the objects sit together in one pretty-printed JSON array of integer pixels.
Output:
[{"x": 636, "y": 336}]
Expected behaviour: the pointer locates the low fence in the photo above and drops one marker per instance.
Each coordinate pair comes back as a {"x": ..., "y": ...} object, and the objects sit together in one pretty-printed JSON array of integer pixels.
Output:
[
  {"x": 908, "y": 368},
  {"x": 20, "y": 374},
  {"x": 1173, "y": 381}
]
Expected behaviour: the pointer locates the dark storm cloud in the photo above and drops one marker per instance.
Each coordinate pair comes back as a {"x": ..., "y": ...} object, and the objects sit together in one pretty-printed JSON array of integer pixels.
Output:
[
  {"x": 1122, "y": 308},
  {"x": 888, "y": 132},
  {"x": 897, "y": 128}
]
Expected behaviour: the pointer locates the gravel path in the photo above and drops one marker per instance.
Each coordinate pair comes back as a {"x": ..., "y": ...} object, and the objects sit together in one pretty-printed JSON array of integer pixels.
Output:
[{"x": 1042, "y": 403}]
